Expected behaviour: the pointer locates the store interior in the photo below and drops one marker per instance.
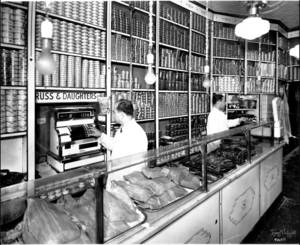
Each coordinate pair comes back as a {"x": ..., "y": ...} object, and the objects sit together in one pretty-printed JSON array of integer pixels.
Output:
[{"x": 65, "y": 64}]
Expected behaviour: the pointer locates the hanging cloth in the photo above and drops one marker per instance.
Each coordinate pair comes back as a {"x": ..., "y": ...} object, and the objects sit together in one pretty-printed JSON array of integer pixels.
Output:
[{"x": 285, "y": 116}]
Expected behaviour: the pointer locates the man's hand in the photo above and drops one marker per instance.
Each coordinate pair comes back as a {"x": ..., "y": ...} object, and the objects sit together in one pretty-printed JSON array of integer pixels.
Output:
[
  {"x": 94, "y": 132},
  {"x": 242, "y": 119}
]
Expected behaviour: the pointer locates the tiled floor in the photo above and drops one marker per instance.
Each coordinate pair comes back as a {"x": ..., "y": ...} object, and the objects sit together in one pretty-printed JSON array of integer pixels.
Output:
[{"x": 283, "y": 228}]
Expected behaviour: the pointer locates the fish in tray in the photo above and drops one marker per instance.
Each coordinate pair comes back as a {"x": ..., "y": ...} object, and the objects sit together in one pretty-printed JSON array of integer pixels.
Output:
[
  {"x": 153, "y": 173},
  {"x": 176, "y": 174},
  {"x": 136, "y": 192},
  {"x": 115, "y": 209},
  {"x": 168, "y": 184},
  {"x": 191, "y": 181},
  {"x": 114, "y": 228},
  {"x": 138, "y": 178},
  {"x": 177, "y": 192}
]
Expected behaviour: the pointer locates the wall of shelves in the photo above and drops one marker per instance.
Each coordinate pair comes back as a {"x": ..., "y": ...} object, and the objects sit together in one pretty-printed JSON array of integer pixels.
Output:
[{"x": 94, "y": 56}]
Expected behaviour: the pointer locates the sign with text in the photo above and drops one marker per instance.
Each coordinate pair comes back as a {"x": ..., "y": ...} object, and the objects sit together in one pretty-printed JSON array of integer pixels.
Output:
[{"x": 66, "y": 97}]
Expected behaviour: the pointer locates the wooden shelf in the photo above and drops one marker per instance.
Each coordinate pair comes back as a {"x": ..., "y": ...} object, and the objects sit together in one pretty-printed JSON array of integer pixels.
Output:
[
  {"x": 199, "y": 32},
  {"x": 13, "y": 135},
  {"x": 170, "y": 46},
  {"x": 14, "y": 46},
  {"x": 228, "y": 39},
  {"x": 128, "y": 35},
  {"x": 14, "y": 87},
  {"x": 175, "y": 23},
  {"x": 128, "y": 63},
  {"x": 70, "y": 89},
  {"x": 165, "y": 118},
  {"x": 172, "y": 69}
]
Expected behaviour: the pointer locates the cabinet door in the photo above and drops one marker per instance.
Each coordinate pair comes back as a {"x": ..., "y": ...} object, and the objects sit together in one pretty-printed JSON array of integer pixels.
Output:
[
  {"x": 200, "y": 225},
  {"x": 240, "y": 206},
  {"x": 270, "y": 180}
]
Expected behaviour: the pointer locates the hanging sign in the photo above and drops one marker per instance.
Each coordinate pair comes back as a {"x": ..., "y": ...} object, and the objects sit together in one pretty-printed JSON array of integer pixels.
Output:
[{"x": 66, "y": 97}]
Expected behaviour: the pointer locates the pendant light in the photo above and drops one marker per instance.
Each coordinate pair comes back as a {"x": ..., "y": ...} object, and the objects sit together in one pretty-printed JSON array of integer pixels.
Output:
[
  {"x": 150, "y": 76},
  {"x": 295, "y": 51},
  {"x": 45, "y": 63},
  {"x": 253, "y": 26},
  {"x": 206, "y": 81}
]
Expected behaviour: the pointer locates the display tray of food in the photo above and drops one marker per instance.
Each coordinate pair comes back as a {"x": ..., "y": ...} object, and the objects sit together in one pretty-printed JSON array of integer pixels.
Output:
[
  {"x": 153, "y": 189},
  {"x": 72, "y": 218}
]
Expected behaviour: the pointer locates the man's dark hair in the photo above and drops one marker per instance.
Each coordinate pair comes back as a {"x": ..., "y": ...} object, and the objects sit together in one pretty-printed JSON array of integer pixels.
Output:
[
  {"x": 216, "y": 98},
  {"x": 125, "y": 106}
]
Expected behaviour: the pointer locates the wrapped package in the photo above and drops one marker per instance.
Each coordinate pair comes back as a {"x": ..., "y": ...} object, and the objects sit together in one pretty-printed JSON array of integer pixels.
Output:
[
  {"x": 190, "y": 181},
  {"x": 44, "y": 223},
  {"x": 153, "y": 173},
  {"x": 138, "y": 178},
  {"x": 136, "y": 192}
]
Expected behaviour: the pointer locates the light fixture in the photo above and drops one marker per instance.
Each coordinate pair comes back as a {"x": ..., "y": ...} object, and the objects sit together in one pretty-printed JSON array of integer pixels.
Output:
[
  {"x": 253, "y": 26},
  {"x": 206, "y": 81},
  {"x": 45, "y": 63},
  {"x": 295, "y": 51},
  {"x": 150, "y": 76}
]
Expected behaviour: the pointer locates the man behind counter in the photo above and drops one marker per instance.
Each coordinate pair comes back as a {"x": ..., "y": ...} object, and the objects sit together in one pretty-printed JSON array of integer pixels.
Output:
[
  {"x": 217, "y": 120},
  {"x": 129, "y": 139}
]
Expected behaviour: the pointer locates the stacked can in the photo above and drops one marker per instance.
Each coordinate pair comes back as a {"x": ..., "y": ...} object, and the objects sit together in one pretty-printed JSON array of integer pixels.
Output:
[
  {"x": 91, "y": 42},
  {"x": 82, "y": 9},
  {"x": 84, "y": 73},
  {"x": 22, "y": 110},
  {"x": 71, "y": 38},
  {"x": 11, "y": 111},
  {"x": 98, "y": 41},
  {"x": 63, "y": 71},
  {"x": 77, "y": 39},
  {"x": 19, "y": 25},
  {"x": 88, "y": 10},
  {"x": 5, "y": 61},
  {"x": 3, "y": 116},
  {"x": 22, "y": 72},
  {"x": 56, "y": 35},
  {"x": 84, "y": 39},
  {"x": 103, "y": 44},
  {"x": 38, "y": 76},
  {"x": 55, "y": 74},
  {"x": 47, "y": 80},
  {"x": 68, "y": 9},
  {"x": 38, "y": 34},
  {"x": 91, "y": 75},
  {"x": 13, "y": 26},
  {"x": 95, "y": 13},
  {"x": 101, "y": 14},
  {"x": 77, "y": 72},
  {"x": 97, "y": 74},
  {"x": 63, "y": 36},
  {"x": 75, "y": 10},
  {"x": 70, "y": 72},
  {"x": 59, "y": 7},
  {"x": 102, "y": 76},
  {"x": 13, "y": 68}
]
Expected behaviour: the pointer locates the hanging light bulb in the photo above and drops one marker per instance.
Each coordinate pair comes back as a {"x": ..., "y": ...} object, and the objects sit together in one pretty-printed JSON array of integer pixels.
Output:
[
  {"x": 150, "y": 76},
  {"x": 206, "y": 81},
  {"x": 45, "y": 63},
  {"x": 295, "y": 51}
]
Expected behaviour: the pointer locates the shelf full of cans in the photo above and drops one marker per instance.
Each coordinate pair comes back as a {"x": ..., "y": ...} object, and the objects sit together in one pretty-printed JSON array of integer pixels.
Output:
[
  {"x": 223, "y": 30},
  {"x": 172, "y": 14},
  {"x": 282, "y": 57},
  {"x": 120, "y": 49},
  {"x": 87, "y": 12},
  {"x": 197, "y": 83},
  {"x": 73, "y": 72},
  {"x": 178, "y": 129},
  {"x": 198, "y": 43},
  {"x": 226, "y": 48},
  {"x": 121, "y": 22},
  {"x": 199, "y": 103},
  {"x": 227, "y": 84},
  {"x": 172, "y": 104},
  {"x": 199, "y": 23},
  {"x": 197, "y": 64},
  {"x": 264, "y": 85},
  {"x": 173, "y": 35},
  {"x": 198, "y": 125},
  {"x": 227, "y": 67},
  {"x": 13, "y": 25},
  {"x": 173, "y": 58},
  {"x": 265, "y": 39},
  {"x": 13, "y": 111},
  {"x": 13, "y": 71},
  {"x": 262, "y": 69},
  {"x": 143, "y": 5},
  {"x": 73, "y": 38},
  {"x": 282, "y": 71},
  {"x": 143, "y": 103},
  {"x": 171, "y": 80},
  {"x": 263, "y": 56}
]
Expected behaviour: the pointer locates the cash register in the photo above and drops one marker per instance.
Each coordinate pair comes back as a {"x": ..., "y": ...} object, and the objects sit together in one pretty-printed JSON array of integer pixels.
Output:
[{"x": 71, "y": 145}]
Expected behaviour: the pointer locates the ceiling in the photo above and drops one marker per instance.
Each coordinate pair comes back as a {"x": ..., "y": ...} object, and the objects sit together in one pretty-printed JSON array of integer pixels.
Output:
[{"x": 285, "y": 11}]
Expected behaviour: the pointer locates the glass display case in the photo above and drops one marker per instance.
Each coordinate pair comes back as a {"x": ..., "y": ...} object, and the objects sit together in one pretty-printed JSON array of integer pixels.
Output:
[{"x": 90, "y": 201}]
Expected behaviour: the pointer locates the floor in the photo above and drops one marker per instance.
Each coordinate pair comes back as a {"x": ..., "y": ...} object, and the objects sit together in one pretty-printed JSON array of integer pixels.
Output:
[{"x": 283, "y": 227}]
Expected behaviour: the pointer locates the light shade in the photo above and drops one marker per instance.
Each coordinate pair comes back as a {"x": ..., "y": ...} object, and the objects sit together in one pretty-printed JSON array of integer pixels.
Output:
[
  {"x": 252, "y": 27},
  {"x": 295, "y": 51}
]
